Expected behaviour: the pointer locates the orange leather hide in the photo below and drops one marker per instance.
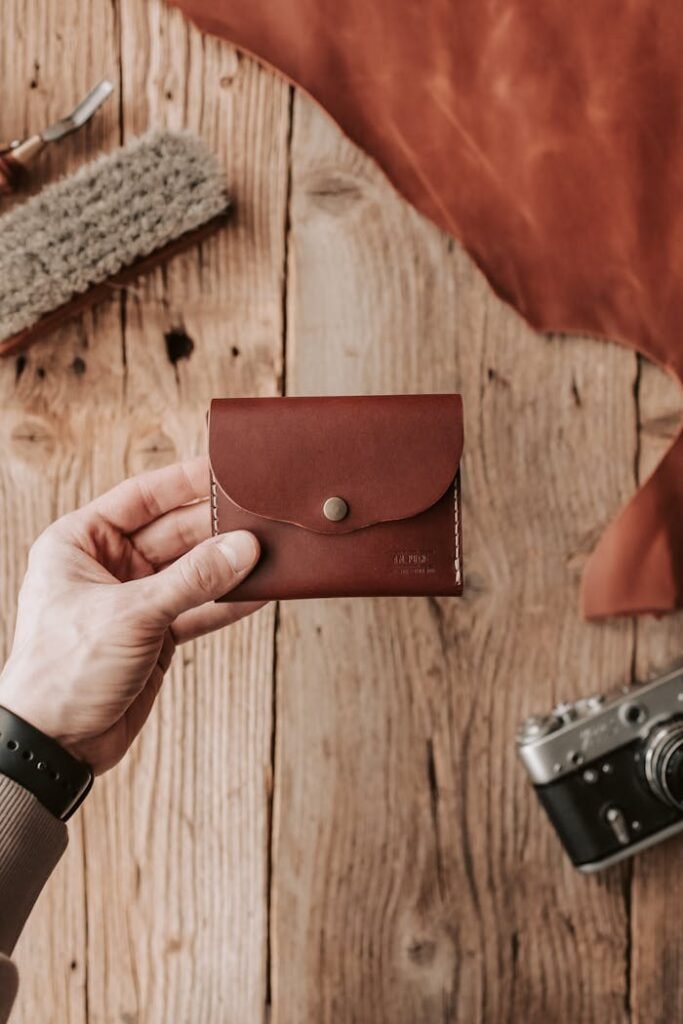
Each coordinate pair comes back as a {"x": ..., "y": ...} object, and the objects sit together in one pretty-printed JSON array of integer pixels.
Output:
[{"x": 548, "y": 138}]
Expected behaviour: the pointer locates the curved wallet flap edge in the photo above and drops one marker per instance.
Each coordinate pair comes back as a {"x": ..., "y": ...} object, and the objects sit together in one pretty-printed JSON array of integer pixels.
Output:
[{"x": 389, "y": 457}]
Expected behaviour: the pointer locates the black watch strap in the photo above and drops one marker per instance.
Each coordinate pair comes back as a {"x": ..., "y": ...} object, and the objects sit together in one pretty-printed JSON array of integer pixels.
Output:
[{"x": 57, "y": 779}]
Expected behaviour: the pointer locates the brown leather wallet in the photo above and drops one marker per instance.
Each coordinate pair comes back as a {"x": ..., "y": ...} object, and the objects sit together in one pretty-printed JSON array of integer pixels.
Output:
[{"x": 349, "y": 497}]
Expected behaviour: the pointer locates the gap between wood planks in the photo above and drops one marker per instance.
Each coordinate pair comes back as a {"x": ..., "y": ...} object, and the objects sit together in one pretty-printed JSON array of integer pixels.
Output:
[
  {"x": 270, "y": 834},
  {"x": 628, "y": 868}
]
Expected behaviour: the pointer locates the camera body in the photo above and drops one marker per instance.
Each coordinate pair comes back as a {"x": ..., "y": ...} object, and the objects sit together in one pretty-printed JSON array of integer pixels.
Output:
[{"x": 609, "y": 770}]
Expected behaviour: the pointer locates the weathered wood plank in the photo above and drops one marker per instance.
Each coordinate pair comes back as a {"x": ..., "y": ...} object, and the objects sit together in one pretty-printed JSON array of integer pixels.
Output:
[
  {"x": 656, "y": 937},
  {"x": 46, "y": 403},
  {"x": 174, "y": 864},
  {"x": 183, "y": 827},
  {"x": 414, "y": 877}
]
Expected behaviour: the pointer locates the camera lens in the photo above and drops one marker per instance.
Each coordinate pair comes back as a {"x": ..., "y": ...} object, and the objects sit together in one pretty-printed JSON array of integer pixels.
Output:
[{"x": 664, "y": 762}]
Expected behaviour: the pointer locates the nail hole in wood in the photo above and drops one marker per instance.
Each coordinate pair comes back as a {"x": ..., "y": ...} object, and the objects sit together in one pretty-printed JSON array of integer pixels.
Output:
[{"x": 179, "y": 345}]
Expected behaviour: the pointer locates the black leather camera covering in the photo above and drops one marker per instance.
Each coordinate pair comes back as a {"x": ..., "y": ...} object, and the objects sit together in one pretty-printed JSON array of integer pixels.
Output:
[{"x": 577, "y": 808}]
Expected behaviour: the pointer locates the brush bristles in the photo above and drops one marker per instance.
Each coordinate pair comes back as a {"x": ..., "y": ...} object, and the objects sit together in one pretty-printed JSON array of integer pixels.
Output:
[{"x": 111, "y": 213}]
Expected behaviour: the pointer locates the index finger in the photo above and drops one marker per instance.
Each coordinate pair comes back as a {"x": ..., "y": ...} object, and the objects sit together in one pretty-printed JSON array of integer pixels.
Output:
[{"x": 143, "y": 498}]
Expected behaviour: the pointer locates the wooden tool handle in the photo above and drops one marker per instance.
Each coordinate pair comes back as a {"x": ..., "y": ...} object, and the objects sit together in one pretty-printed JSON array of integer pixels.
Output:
[
  {"x": 11, "y": 174},
  {"x": 14, "y": 163}
]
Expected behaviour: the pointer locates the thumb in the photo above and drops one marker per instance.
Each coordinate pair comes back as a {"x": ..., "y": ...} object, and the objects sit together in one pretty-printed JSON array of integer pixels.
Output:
[{"x": 206, "y": 572}]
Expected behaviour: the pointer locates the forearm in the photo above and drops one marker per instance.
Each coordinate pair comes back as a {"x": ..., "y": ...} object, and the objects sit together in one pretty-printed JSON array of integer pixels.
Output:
[{"x": 31, "y": 842}]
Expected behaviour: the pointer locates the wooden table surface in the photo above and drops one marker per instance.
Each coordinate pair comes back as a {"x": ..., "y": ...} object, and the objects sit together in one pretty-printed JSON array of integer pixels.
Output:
[{"x": 324, "y": 820}]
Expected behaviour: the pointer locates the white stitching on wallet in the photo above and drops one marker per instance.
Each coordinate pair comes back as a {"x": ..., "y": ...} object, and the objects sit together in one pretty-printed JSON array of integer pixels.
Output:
[
  {"x": 214, "y": 506},
  {"x": 456, "y": 517},
  {"x": 456, "y": 521}
]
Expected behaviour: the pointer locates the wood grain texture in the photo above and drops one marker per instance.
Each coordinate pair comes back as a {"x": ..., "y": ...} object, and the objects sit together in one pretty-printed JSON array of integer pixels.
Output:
[
  {"x": 408, "y": 874},
  {"x": 657, "y": 890},
  {"x": 46, "y": 411},
  {"x": 414, "y": 878},
  {"x": 160, "y": 913},
  {"x": 186, "y": 832}
]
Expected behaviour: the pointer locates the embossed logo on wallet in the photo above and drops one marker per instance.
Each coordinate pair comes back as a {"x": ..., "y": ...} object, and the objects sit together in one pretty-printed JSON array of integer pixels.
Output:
[{"x": 413, "y": 563}]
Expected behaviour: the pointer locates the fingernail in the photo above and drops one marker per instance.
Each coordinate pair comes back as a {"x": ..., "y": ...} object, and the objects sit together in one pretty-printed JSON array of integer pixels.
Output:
[{"x": 240, "y": 548}]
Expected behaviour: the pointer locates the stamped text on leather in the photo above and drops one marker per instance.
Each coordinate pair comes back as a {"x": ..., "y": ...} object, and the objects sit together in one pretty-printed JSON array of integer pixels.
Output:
[{"x": 392, "y": 464}]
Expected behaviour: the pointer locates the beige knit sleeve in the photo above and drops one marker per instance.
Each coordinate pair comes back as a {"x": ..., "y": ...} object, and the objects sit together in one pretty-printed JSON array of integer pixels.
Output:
[{"x": 31, "y": 843}]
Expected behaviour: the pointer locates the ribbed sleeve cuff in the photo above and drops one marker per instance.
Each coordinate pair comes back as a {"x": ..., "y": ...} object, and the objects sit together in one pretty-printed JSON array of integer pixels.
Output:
[
  {"x": 9, "y": 982},
  {"x": 31, "y": 842}
]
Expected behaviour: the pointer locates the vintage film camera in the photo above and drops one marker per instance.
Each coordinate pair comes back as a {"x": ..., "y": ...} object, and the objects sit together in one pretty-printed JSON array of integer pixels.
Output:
[{"x": 609, "y": 770}]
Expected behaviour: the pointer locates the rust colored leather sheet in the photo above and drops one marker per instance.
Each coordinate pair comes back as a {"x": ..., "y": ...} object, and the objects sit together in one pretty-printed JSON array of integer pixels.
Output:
[{"x": 548, "y": 138}]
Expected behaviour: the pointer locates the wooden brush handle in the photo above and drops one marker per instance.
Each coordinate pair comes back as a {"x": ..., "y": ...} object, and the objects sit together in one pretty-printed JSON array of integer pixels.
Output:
[
  {"x": 14, "y": 163},
  {"x": 11, "y": 174}
]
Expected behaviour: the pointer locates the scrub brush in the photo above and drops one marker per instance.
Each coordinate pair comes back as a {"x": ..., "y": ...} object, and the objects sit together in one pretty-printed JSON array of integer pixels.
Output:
[{"x": 96, "y": 230}]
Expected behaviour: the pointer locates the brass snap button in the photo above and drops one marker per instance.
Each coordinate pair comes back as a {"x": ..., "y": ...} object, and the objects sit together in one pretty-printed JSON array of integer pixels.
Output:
[{"x": 335, "y": 509}]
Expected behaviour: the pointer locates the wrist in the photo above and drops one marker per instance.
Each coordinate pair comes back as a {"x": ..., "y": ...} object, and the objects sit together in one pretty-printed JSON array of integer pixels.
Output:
[
  {"x": 58, "y": 780},
  {"x": 18, "y": 695}
]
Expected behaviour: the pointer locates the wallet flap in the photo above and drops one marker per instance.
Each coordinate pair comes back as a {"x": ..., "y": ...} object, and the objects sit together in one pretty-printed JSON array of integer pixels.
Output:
[{"x": 386, "y": 457}]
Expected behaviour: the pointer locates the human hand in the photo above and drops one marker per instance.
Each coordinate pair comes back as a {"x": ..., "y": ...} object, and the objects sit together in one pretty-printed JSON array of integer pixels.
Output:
[{"x": 110, "y": 590}]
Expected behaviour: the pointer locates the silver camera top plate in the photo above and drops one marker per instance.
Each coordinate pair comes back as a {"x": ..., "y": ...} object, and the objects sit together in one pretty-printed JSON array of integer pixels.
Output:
[{"x": 552, "y": 746}]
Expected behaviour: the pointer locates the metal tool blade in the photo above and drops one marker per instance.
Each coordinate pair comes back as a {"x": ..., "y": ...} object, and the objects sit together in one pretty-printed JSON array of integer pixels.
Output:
[{"x": 82, "y": 113}]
